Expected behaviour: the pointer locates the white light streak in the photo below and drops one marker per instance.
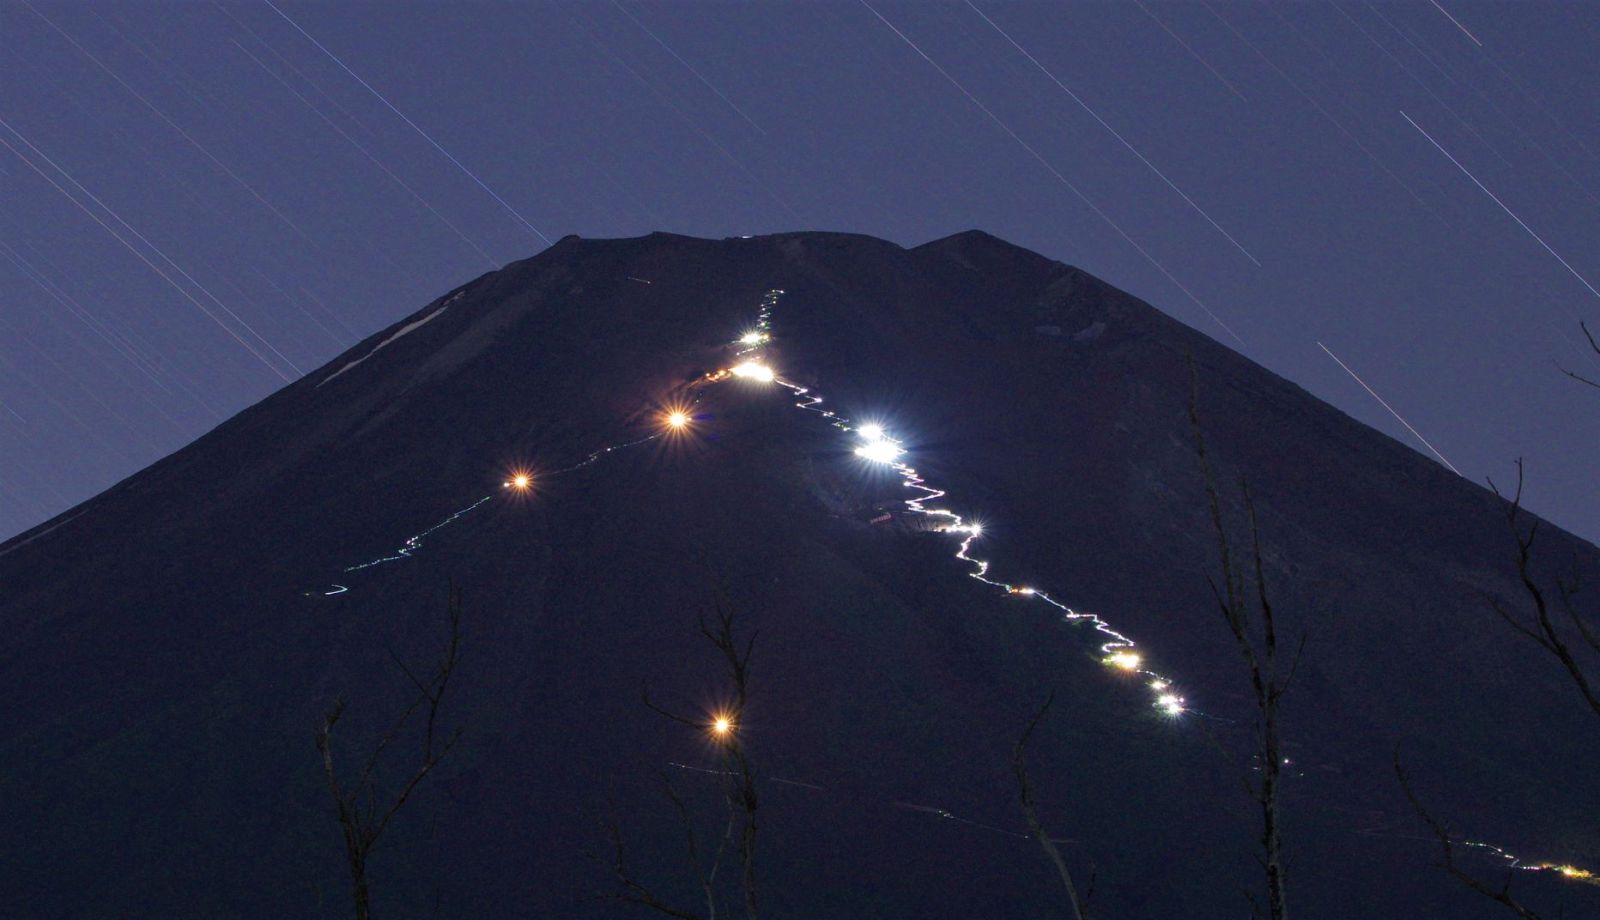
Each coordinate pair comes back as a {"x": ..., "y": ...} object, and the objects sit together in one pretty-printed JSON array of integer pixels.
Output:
[
  {"x": 1457, "y": 23},
  {"x": 369, "y": 155},
  {"x": 1057, "y": 174},
  {"x": 1114, "y": 133},
  {"x": 425, "y": 135},
  {"x": 1520, "y": 222},
  {"x": 1415, "y": 433},
  {"x": 1192, "y": 53},
  {"x": 689, "y": 67},
  {"x": 131, "y": 248}
]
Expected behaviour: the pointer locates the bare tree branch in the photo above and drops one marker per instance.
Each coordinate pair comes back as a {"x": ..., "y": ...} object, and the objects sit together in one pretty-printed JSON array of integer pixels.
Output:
[
  {"x": 1502, "y": 895},
  {"x": 1544, "y": 631},
  {"x": 364, "y": 812},
  {"x": 740, "y": 791},
  {"x": 1260, "y": 657},
  {"x": 1019, "y": 766}
]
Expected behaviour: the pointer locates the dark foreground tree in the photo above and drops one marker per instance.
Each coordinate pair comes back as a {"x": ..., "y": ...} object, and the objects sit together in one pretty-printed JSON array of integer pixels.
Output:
[
  {"x": 1551, "y": 619},
  {"x": 366, "y": 805},
  {"x": 725, "y": 731},
  {"x": 1255, "y": 633},
  {"x": 1030, "y": 811}
]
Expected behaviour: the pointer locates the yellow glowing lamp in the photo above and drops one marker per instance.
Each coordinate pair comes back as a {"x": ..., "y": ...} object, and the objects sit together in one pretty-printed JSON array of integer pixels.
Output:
[
  {"x": 722, "y": 726},
  {"x": 1127, "y": 661},
  {"x": 520, "y": 482}
]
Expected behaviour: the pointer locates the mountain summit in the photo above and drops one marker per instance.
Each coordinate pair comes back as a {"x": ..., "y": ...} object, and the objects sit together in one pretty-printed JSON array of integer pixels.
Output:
[{"x": 171, "y": 645}]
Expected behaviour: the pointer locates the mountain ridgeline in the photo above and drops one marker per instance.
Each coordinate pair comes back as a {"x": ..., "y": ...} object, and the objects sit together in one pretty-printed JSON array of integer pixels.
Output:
[{"x": 171, "y": 646}]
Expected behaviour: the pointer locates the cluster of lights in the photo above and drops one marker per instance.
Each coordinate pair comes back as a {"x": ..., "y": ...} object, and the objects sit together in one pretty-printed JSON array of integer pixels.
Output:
[
  {"x": 1565, "y": 870},
  {"x": 753, "y": 370},
  {"x": 1124, "y": 660},
  {"x": 880, "y": 448}
]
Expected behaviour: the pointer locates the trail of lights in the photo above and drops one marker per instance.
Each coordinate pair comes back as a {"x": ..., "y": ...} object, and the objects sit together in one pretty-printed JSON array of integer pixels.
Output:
[
  {"x": 414, "y": 543},
  {"x": 1511, "y": 861},
  {"x": 519, "y": 483},
  {"x": 1117, "y": 650}
]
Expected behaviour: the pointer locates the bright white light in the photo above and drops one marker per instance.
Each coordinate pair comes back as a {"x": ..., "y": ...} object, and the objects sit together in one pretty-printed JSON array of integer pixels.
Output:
[
  {"x": 721, "y": 726},
  {"x": 520, "y": 482},
  {"x": 1127, "y": 661},
  {"x": 754, "y": 370},
  {"x": 871, "y": 432},
  {"x": 879, "y": 451},
  {"x": 678, "y": 419},
  {"x": 752, "y": 338},
  {"x": 1170, "y": 703},
  {"x": 975, "y": 529}
]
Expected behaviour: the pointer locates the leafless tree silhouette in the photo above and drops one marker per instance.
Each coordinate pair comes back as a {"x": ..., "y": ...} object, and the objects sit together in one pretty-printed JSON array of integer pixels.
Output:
[
  {"x": 725, "y": 731},
  {"x": 1559, "y": 642},
  {"x": 1501, "y": 895},
  {"x": 1019, "y": 766},
  {"x": 367, "y": 805},
  {"x": 1255, "y": 633}
]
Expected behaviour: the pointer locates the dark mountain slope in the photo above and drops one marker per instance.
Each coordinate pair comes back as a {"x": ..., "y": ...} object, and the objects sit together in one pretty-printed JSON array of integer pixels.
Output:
[{"x": 169, "y": 647}]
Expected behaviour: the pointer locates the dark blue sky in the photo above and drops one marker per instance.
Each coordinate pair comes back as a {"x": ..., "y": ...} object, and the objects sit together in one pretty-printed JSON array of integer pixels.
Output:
[{"x": 276, "y": 211}]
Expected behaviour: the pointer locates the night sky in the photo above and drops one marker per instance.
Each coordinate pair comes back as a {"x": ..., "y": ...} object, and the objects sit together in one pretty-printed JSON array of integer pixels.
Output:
[{"x": 200, "y": 202}]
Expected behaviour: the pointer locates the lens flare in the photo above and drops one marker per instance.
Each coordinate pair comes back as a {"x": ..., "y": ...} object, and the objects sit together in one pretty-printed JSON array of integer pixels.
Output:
[
  {"x": 722, "y": 726},
  {"x": 519, "y": 482},
  {"x": 879, "y": 452},
  {"x": 871, "y": 432},
  {"x": 1170, "y": 703},
  {"x": 677, "y": 420},
  {"x": 754, "y": 370}
]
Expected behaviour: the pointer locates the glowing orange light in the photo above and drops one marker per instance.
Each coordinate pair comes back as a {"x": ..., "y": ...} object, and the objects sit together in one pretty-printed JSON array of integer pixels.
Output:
[
  {"x": 722, "y": 726},
  {"x": 1127, "y": 661},
  {"x": 752, "y": 370},
  {"x": 677, "y": 419},
  {"x": 520, "y": 482}
]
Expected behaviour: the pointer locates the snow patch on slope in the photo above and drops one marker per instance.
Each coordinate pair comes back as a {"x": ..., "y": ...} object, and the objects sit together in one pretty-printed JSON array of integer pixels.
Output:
[{"x": 408, "y": 327}]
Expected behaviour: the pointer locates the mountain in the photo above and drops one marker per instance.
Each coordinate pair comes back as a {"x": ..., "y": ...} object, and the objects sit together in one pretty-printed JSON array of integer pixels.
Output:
[{"x": 171, "y": 645}]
